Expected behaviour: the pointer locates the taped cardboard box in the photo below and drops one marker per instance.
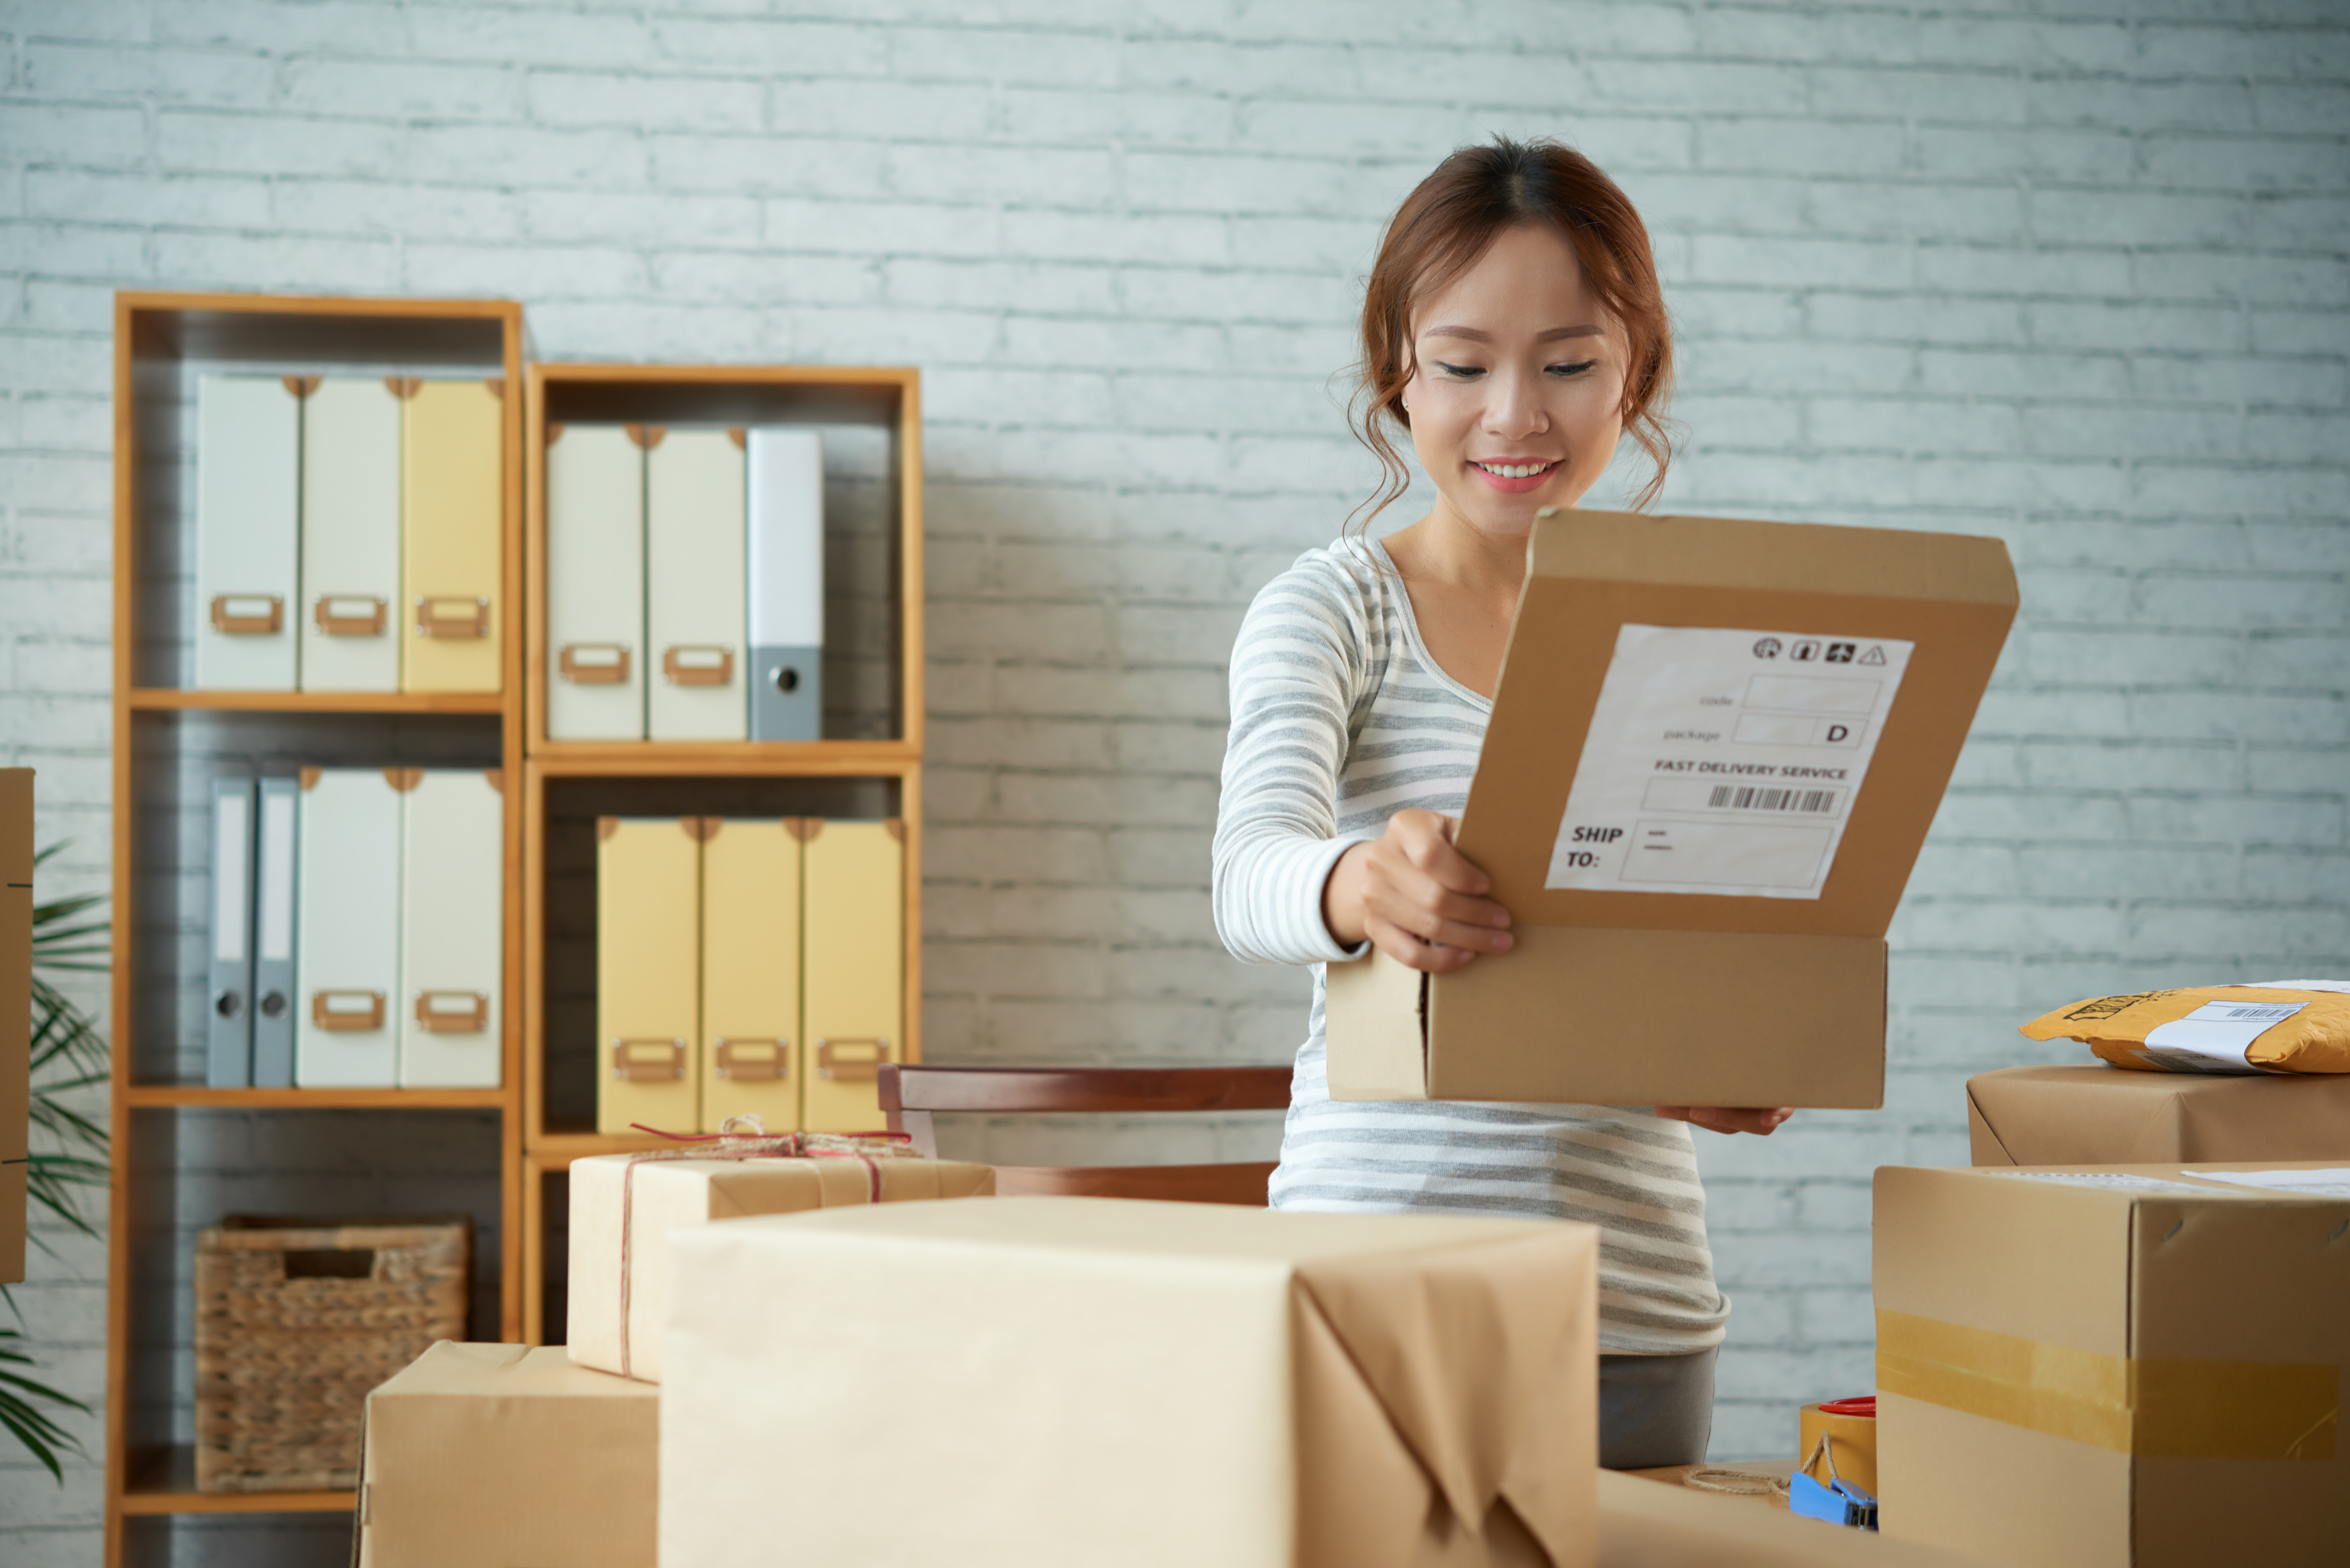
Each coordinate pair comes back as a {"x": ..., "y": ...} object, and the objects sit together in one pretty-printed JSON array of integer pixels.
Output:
[
  {"x": 496, "y": 1456},
  {"x": 1072, "y": 1382},
  {"x": 2098, "y": 1114},
  {"x": 1714, "y": 753},
  {"x": 615, "y": 1281},
  {"x": 2092, "y": 1367},
  {"x": 1646, "y": 1523}
]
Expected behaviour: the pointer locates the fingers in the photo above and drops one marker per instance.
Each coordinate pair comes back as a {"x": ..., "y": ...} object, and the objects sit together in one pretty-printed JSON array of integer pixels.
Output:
[
  {"x": 1410, "y": 951},
  {"x": 1407, "y": 900},
  {"x": 1759, "y": 1120},
  {"x": 1415, "y": 880},
  {"x": 1426, "y": 841}
]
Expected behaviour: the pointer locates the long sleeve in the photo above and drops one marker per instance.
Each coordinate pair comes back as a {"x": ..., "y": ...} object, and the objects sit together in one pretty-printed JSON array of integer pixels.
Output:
[{"x": 1299, "y": 666}]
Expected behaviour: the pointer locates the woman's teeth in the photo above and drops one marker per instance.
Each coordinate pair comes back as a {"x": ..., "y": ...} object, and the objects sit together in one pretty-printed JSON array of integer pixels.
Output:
[{"x": 1514, "y": 470}]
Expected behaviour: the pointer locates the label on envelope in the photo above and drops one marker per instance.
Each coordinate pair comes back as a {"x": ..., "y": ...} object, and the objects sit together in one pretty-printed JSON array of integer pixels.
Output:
[
  {"x": 1724, "y": 761},
  {"x": 2216, "y": 1036}
]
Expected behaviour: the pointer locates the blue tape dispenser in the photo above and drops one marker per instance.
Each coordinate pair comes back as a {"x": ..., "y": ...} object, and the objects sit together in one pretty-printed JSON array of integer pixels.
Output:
[{"x": 1839, "y": 1501}]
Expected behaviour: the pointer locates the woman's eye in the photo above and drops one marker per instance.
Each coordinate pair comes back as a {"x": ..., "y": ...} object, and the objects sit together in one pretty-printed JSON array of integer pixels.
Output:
[
  {"x": 1577, "y": 369},
  {"x": 1462, "y": 372}
]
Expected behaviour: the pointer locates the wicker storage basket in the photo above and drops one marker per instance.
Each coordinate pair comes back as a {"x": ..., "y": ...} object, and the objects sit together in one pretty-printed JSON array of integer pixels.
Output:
[{"x": 295, "y": 1321}]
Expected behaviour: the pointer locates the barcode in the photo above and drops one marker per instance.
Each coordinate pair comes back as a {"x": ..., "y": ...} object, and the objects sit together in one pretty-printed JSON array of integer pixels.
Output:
[
  {"x": 1746, "y": 797},
  {"x": 2252, "y": 1010}
]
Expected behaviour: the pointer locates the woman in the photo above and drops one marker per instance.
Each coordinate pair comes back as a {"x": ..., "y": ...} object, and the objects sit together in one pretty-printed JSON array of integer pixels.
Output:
[{"x": 1515, "y": 327}]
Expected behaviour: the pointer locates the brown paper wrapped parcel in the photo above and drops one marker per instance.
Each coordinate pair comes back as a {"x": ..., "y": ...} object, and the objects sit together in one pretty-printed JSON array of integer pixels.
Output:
[
  {"x": 496, "y": 1456},
  {"x": 2140, "y": 1367},
  {"x": 1072, "y": 1382},
  {"x": 611, "y": 1280}
]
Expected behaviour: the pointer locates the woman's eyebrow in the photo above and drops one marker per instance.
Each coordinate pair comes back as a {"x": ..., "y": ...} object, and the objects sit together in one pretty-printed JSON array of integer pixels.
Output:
[{"x": 1550, "y": 336}]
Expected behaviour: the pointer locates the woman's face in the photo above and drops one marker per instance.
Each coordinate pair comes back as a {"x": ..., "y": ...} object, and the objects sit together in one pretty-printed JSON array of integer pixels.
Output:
[{"x": 1517, "y": 384}]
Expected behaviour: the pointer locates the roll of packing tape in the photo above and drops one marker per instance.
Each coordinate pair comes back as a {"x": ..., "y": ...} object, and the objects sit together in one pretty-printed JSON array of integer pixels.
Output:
[{"x": 1850, "y": 1428}]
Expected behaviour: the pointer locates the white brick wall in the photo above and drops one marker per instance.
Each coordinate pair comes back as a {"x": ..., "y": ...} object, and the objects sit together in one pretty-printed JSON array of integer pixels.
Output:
[{"x": 2073, "y": 272}]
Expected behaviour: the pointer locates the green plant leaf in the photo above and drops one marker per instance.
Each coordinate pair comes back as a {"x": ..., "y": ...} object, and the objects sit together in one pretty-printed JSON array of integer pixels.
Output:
[
  {"x": 69, "y": 1057},
  {"x": 19, "y": 1413}
]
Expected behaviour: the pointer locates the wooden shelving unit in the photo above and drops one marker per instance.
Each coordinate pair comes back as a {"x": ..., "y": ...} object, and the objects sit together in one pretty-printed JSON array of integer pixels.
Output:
[
  {"x": 869, "y": 765},
  {"x": 166, "y": 1124}
]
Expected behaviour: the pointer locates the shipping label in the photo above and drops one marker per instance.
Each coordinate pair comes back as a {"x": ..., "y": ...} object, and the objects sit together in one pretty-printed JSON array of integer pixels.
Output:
[
  {"x": 2216, "y": 1036},
  {"x": 2108, "y": 1180},
  {"x": 1724, "y": 761},
  {"x": 2333, "y": 1183}
]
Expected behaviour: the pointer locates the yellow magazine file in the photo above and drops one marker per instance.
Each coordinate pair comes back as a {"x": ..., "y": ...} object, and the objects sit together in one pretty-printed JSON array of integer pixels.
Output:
[
  {"x": 451, "y": 485},
  {"x": 853, "y": 973},
  {"x": 749, "y": 971},
  {"x": 647, "y": 972}
]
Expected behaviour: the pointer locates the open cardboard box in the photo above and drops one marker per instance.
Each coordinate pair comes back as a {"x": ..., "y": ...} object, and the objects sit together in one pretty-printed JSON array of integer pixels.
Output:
[{"x": 1714, "y": 753}]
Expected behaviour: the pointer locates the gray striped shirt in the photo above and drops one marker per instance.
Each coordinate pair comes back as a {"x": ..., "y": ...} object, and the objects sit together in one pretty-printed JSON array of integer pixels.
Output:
[{"x": 1341, "y": 719}]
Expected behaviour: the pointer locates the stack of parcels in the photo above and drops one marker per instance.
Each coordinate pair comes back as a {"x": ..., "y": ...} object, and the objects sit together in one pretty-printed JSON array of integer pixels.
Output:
[
  {"x": 490, "y": 1456},
  {"x": 1068, "y": 1381},
  {"x": 2208, "y": 1072},
  {"x": 2128, "y": 1364}
]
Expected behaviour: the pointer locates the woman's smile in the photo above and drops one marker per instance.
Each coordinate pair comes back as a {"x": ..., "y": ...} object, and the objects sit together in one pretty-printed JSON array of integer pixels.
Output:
[{"x": 1514, "y": 475}]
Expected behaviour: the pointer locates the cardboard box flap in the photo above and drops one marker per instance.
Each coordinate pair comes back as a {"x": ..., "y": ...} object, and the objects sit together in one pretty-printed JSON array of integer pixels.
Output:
[
  {"x": 1949, "y": 598},
  {"x": 1445, "y": 1339}
]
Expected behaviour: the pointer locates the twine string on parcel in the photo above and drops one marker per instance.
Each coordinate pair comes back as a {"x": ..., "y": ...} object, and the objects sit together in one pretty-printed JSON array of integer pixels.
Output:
[{"x": 742, "y": 1138}]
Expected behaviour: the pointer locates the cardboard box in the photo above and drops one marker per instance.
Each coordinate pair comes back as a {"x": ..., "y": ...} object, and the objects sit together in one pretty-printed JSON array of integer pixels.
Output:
[
  {"x": 1714, "y": 753},
  {"x": 1645, "y": 1524},
  {"x": 609, "y": 1282},
  {"x": 2134, "y": 1364},
  {"x": 1069, "y": 1382},
  {"x": 2098, "y": 1114},
  {"x": 499, "y": 1456}
]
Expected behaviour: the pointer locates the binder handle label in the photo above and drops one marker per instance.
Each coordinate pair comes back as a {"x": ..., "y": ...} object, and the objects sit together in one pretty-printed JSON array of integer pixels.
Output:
[
  {"x": 853, "y": 1059},
  {"x": 648, "y": 1061},
  {"x": 354, "y": 1012},
  {"x": 593, "y": 664},
  {"x": 350, "y": 614},
  {"x": 689, "y": 664},
  {"x": 754, "y": 1061},
  {"x": 452, "y": 1011},
  {"x": 452, "y": 615},
  {"x": 248, "y": 615}
]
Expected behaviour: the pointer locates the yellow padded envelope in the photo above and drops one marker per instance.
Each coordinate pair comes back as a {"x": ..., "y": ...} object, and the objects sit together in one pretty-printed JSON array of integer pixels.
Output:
[
  {"x": 749, "y": 971},
  {"x": 647, "y": 973},
  {"x": 452, "y": 487},
  {"x": 854, "y": 971}
]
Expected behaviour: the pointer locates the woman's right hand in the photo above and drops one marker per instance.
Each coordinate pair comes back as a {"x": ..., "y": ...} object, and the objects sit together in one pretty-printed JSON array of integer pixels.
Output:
[{"x": 1417, "y": 899}]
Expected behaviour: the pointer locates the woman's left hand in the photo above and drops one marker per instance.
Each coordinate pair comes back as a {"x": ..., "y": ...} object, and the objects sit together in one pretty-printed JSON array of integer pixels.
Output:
[{"x": 1761, "y": 1121}]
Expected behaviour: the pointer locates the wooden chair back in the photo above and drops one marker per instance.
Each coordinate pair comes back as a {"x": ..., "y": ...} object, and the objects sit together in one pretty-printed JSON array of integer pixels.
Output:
[{"x": 911, "y": 1095}]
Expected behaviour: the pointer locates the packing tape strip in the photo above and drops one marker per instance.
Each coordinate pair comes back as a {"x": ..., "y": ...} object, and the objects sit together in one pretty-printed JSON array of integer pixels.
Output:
[{"x": 2172, "y": 1409}]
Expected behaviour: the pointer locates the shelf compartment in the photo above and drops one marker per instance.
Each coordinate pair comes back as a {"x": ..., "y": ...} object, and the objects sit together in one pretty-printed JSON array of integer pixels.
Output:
[
  {"x": 162, "y": 1480},
  {"x": 560, "y": 808},
  {"x": 871, "y": 421}
]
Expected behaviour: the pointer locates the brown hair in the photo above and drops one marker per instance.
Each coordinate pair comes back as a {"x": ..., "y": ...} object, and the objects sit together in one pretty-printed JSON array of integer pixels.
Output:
[{"x": 1441, "y": 229}]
